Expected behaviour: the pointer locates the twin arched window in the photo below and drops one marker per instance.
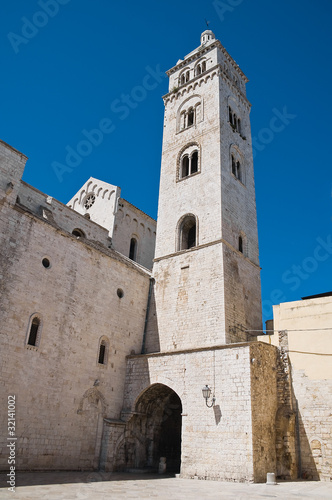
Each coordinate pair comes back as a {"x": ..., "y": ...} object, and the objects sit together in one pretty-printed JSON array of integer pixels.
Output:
[
  {"x": 237, "y": 164},
  {"x": 236, "y": 168},
  {"x": 190, "y": 116},
  {"x": 184, "y": 77},
  {"x": 200, "y": 68},
  {"x": 234, "y": 120},
  {"x": 189, "y": 164}
]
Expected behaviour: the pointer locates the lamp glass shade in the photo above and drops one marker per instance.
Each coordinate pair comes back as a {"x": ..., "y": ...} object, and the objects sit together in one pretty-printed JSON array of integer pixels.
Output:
[{"x": 206, "y": 392}]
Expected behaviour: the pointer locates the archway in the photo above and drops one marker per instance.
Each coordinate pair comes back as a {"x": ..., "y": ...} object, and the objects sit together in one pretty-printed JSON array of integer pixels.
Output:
[{"x": 156, "y": 428}]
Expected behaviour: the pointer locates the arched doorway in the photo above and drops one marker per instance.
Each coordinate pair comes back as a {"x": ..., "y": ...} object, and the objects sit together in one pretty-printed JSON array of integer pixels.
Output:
[{"x": 156, "y": 429}]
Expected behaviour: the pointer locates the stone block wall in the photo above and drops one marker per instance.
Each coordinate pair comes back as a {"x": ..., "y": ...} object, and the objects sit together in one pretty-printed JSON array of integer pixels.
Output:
[
  {"x": 263, "y": 408},
  {"x": 62, "y": 392},
  {"x": 130, "y": 222},
  {"x": 303, "y": 336},
  {"x": 189, "y": 300},
  {"x": 219, "y": 442},
  {"x": 12, "y": 164},
  {"x": 314, "y": 400},
  {"x": 242, "y": 296}
]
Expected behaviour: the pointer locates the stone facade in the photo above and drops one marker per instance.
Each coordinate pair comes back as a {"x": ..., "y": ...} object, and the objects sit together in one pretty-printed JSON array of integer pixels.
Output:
[
  {"x": 62, "y": 390},
  {"x": 232, "y": 440},
  {"x": 302, "y": 333},
  {"x": 101, "y": 202}
]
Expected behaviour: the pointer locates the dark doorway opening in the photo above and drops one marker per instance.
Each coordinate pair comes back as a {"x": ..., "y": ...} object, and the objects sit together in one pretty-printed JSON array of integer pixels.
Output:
[{"x": 155, "y": 430}]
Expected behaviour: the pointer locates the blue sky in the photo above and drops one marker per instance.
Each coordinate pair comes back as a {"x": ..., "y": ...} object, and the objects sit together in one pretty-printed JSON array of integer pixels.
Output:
[{"x": 66, "y": 63}]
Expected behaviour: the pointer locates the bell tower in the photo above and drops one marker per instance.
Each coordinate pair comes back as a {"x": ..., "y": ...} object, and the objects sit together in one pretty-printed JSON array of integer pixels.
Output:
[{"x": 206, "y": 268}]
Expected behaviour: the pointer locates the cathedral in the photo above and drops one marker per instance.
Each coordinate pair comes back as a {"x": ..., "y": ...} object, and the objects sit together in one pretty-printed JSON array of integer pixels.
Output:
[{"x": 132, "y": 345}]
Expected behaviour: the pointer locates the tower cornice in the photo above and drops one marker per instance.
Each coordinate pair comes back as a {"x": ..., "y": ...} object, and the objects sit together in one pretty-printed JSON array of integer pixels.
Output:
[{"x": 199, "y": 52}]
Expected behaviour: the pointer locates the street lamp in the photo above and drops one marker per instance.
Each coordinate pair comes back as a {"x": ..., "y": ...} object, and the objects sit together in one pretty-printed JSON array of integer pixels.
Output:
[{"x": 206, "y": 395}]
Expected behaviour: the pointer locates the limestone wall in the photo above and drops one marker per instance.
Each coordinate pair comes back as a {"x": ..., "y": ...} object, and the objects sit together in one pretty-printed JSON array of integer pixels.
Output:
[
  {"x": 130, "y": 222},
  {"x": 219, "y": 442},
  {"x": 305, "y": 326},
  {"x": 12, "y": 164},
  {"x": 55, "y": 213},
  {"x": 189, "y": 300},
  {"x": 62, "y": 392},
  {"x": 263, "y": 364}
]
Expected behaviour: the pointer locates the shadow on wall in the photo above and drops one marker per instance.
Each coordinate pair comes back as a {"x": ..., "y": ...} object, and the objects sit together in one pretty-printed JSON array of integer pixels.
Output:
[
  {"x": 151, "y": 342},
  {"x": 312, "y": 455}
]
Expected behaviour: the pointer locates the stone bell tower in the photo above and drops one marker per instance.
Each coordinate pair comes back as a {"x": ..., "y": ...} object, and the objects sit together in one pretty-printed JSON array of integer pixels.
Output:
[{"x": 206, "y": 269}]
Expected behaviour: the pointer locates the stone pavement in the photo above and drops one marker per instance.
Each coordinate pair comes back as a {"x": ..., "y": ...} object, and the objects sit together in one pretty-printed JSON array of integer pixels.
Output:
[{"x": 100, "y": 486}]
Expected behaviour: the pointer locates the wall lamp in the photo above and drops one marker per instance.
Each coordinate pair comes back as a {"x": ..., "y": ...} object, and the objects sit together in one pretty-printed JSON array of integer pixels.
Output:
[{"x": 206, "y": 395}]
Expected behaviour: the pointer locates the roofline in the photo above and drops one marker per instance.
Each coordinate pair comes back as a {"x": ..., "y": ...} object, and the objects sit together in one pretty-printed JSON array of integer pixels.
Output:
[
  {"x": 8, "y": 146},
  {"x": 138, "y": 209},
  {"x": 202, "y": 50}
]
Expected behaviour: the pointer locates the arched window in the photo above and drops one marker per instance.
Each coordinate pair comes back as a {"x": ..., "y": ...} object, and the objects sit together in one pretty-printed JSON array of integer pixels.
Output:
[
  {"x": 233, "y": 166},
  {"x": 234, "y": 120},
  {"x": 239, "y": 125},
  {"x": 236, "y": 166},
  {"x": 238, "y": 171},
  {"x": 183, "y": 120},
  {"x": 103, "y": 350},
  {"x": 185, "y": 166},
  {"x": 198, "y": 113},
  {"x": 184, "y": 77},
  {"x": 203, "y": 66},
  {"x": 189, "y": 113},
  {"x": 35, "y": 324},
  {"x": 191, "y": 117},
  {"x": 133, "y": 249},
  {"x": 230, "y": 115},
  {"x": 198, "y": 70},
  {"x": 189, "y": 164},
  {"x": 78, "y": 232},
  {"x": 34, "y": 331},
  {"x": 240, "y": 244},
  {"x": 187, "y": 233},
  {"x": 194, "y": 162}
]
